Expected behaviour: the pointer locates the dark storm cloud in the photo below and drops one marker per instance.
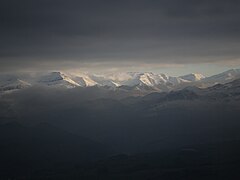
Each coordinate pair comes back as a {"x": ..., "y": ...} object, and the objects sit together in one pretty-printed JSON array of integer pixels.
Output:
[{"x": 90, "y": 31}]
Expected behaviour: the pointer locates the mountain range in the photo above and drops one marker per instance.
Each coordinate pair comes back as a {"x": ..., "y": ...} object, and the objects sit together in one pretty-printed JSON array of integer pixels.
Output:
[
  {"x": 55, "y": 125},
  {"x": 131, "y": 123},
  {"x": 141, "y": 82}
]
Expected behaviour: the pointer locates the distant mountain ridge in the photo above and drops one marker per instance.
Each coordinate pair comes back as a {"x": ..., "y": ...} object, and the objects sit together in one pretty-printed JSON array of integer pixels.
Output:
[{"x": 138, "y": 81}]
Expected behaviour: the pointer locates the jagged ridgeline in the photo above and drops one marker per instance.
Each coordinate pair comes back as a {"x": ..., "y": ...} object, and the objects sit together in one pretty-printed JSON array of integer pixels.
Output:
[{"x": 137, "y": 83}]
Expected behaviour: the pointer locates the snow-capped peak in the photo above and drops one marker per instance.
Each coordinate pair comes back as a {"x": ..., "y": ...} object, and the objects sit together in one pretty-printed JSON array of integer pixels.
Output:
[
  {"x": 57, "y": 78},
  {"x": 193, "y": 77}
]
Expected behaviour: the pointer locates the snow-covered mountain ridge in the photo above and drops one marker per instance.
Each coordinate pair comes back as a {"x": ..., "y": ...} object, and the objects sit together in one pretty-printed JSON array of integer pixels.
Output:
[{"x": 138, "y": 81}]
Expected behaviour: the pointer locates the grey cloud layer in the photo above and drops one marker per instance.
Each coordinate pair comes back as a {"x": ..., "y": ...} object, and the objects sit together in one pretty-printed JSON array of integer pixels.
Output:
[{"x": 90, "y": 31}]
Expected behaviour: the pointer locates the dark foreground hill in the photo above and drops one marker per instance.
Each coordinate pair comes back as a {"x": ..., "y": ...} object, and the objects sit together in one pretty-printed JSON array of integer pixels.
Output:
[
  {"x": 24, "y": 150},
  {"x": 213, "y": 161}
]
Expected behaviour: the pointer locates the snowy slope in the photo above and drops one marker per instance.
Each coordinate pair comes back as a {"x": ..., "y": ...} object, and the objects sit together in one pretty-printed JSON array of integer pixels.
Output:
[
  {"x": 83, "y": 80},
  {"x": 12, "y": 82},
  {"x": 57, "y": 79},
  {"x": 192, "y": 77},
  {"x": 223, "y": 77}
]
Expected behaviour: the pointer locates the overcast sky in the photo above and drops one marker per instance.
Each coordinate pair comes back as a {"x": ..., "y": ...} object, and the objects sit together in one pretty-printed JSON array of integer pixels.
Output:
[{"x": 120, "y": 35}]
